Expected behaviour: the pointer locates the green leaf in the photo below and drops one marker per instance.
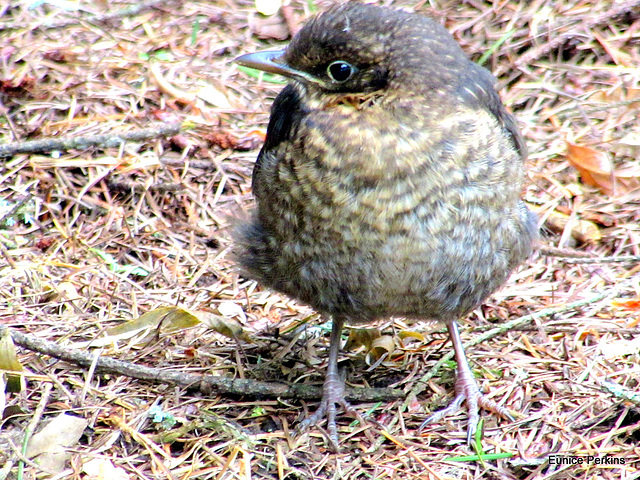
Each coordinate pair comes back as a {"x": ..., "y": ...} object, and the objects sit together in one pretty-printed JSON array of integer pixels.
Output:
[
  {"x": 163, "y": 55},
  {"x": 485, "y": 56},
  {"x": 114, "y": 266},
  {"x": 476, "y": 458},
  {"x": 195, "y": 30},
  {"x": 267, "y": 77}
]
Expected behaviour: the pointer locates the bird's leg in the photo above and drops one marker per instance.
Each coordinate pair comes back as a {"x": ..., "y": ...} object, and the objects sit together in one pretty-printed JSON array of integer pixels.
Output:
[
  {"x": 333, "y": 389},
  {"x": 466, "y": 390}
]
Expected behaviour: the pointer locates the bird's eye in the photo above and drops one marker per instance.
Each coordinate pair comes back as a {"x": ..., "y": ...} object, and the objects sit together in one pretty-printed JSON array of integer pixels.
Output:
[{"x": 340, "y": 71}]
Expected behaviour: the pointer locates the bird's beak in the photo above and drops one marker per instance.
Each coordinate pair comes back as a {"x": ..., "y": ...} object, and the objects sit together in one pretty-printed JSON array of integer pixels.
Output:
[{"x": 272, "y": 61}]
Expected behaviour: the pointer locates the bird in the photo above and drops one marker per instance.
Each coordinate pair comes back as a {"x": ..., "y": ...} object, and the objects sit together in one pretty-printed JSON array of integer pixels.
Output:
[{"x": 389, "y": 185}]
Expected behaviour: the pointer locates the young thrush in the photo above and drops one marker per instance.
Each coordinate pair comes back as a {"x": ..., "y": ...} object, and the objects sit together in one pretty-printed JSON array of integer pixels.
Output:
[{"x": 388, "y": 185}]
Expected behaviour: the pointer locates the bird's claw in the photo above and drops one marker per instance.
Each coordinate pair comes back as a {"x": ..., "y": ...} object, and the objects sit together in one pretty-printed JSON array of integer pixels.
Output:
[
  {"x": 328, "y": 410},
  {"x": 467, "y": 391}
]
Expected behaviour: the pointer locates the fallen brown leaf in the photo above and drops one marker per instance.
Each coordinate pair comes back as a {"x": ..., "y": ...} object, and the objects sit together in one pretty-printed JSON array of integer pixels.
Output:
[
  {"x": 583, "y": 231},
  {"x": 596, "y": 169}
]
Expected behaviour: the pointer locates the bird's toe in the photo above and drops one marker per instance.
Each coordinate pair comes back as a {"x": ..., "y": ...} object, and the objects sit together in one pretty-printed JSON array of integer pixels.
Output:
[{"x": 467, "y": 391}]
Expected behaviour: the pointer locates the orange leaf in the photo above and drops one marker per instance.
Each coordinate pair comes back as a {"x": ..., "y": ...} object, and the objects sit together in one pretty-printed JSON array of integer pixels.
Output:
[
  {"x": 595, "y": 169},
  {"x": 627, "y": 303}
]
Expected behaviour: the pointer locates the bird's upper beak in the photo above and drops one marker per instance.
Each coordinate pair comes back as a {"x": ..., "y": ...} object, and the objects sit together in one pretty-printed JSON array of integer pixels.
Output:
[{"x": 272, "y": 61}]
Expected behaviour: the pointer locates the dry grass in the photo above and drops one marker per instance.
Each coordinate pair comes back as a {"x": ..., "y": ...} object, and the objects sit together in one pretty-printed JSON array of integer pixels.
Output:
[{"x": 568, "y": 71}]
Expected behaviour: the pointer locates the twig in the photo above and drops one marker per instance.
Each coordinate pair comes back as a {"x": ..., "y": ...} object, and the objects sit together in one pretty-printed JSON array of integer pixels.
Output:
[
  {"x": 205, "y": 383},
  {"x": 620, "y": 259},
  {"x": 68, "y": 143},
  {"x": 550, "y": 251},
  {"x": 575, "y": 256},
  {"x": 133, "y": 187},
  {"x": 7, "y": 256}
]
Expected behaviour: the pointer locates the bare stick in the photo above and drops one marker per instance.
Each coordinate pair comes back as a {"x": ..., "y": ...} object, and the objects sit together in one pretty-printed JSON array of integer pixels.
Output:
[
  {"x": 207, "y": 384},
  {"x": 576, "y": 256},
  {"x": 108, "y": 140}
]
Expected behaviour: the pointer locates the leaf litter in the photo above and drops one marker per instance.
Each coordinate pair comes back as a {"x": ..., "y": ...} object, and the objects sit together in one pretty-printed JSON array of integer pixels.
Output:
[{"x": 96, "y": 236}]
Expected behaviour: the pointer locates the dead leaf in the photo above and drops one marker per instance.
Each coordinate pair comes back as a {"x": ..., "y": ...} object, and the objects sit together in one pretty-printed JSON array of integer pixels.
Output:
[
  {"x": 224, "y": 326},
  {"x": 629, "y": 145},
  {"x": 381, "y": 348},
  {"x": 183, "y": 142},
  {"x": 596, "y": 169},
  {"x": 68, "y": 295},
  {"x": 213, "y": 96},
  {"x": 103, "y": 469},
  {"x": 583, "y": 231},
  {"x": 18, "y": 86},
  {"x": 231, "y": 309},
  {"x": 268, "y": 7},
  {"x": 10, "y": 363},
  {"x": 620, "y": 348},
  {"x": 361, "y": 337},
  {"x": 411, "y": 335},
  {"x": 160, "y": 320},
  {"x": 49, "y": 447}
]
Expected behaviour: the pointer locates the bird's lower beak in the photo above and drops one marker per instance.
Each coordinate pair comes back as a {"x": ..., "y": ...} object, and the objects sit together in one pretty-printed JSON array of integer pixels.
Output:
[{"x": 272, "y": 61}]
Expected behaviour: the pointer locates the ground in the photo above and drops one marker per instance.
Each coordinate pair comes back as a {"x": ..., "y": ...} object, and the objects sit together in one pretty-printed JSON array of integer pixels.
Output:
[{"x": 99, "y": 233}]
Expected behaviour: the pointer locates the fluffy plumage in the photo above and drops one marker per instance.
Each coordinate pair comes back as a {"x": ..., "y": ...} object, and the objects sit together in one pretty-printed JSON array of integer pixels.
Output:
[{"x": 389, "y": 183}]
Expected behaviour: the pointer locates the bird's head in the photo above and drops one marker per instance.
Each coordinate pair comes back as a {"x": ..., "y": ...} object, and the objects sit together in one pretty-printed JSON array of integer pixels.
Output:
[{"x": 363, "y": 49}]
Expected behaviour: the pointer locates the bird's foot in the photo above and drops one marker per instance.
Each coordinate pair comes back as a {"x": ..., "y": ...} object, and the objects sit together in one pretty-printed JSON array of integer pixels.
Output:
[
  {"x": 467, "y": 391},
  {"x": 333, "y": 394}
]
